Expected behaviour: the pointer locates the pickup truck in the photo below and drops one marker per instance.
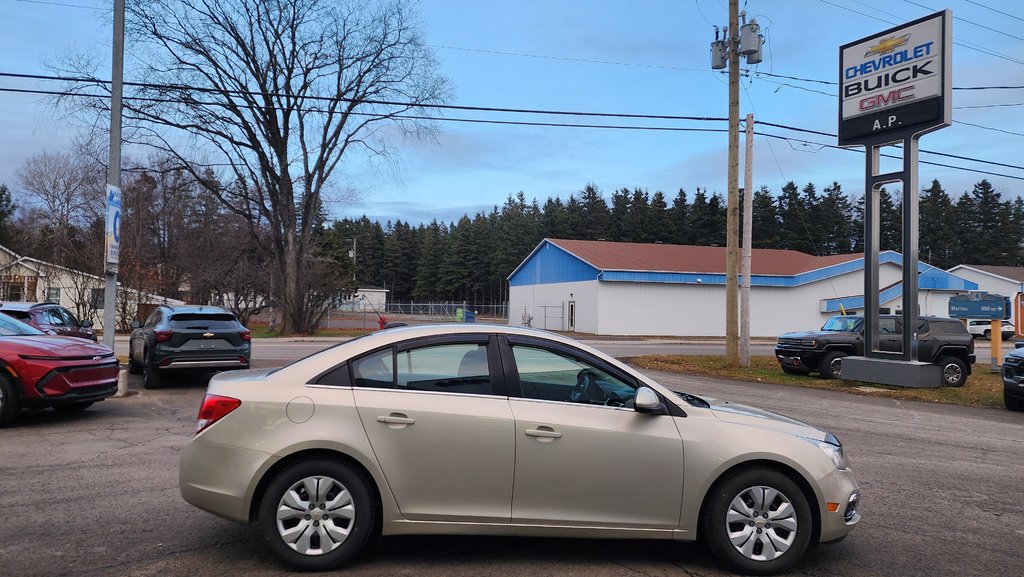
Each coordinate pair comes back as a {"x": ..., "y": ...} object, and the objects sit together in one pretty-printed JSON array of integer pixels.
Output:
[{"x": 942, "y": 341}]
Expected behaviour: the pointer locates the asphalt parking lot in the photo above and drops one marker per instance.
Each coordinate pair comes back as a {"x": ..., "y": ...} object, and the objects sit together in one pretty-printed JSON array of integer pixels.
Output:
[{"x": 96, "y": 494}]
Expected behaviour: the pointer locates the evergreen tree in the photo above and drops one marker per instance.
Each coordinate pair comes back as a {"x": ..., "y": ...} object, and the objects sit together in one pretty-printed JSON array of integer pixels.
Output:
[
  {"x": 835, "y": 220},
  {"x": 595, "y": 214},
  {"x": 638, "y": 224},
  {"x": 765, "y": 229},
  {"x": 432, "y": 250},
  {"x": 658, "y": 219},
  {"x": 679, "y": 219},
  {"x": 794, "y": 232},
  {"x": 620, "y": 214},
  {"x": 7, "y": 210},
  {"x": 935, "y": 213}
]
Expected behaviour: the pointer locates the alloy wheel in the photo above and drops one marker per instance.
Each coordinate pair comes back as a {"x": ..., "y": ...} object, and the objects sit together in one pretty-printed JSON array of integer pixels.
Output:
[
  {"x": 315, "y": 515},
  {"x": 761, "y": 523}
]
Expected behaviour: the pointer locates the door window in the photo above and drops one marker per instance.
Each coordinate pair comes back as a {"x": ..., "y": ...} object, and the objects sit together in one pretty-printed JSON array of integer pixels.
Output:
[
  {"x": 447, "y": 368},
  {"x": 552, "y": 376},
  {"x": 53, "y": 317}
]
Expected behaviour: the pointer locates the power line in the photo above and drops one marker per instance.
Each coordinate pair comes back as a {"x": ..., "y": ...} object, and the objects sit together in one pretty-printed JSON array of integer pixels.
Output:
[
  {"x": 64, "y": 4},
  {"x": 567, "y": 58},
  {"x": 989, "y": 28},
  {"x": 375, "y": 102},
  {"x": 554, "y": 124},
  {"x": 995, "y": 10},
  {"x": 963, "y": 43}
]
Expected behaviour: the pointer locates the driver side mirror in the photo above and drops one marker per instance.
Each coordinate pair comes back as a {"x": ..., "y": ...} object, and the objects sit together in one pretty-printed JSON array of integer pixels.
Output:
[
  {"x": 648, "y": 402},
  {"x": 135, "y": 324},
  {"x": 87, "y": 323}
]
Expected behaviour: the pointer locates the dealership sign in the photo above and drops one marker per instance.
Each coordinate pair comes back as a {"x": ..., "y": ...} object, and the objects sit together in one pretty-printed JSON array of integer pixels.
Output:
[{"x": 896, "y": 83}]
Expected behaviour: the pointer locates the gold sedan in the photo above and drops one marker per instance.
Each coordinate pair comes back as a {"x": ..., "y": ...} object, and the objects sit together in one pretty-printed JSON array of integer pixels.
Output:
[{"x": 490, "y": 430}]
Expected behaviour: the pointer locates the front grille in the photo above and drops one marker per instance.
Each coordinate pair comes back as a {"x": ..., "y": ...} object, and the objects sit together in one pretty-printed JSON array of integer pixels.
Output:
[{"x": 790, "y": 341}]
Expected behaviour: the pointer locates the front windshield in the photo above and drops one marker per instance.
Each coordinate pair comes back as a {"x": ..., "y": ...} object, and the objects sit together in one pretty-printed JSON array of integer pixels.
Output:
[
  {"x": 843, "y": 324},
  {"x": 11, "y": 328}
]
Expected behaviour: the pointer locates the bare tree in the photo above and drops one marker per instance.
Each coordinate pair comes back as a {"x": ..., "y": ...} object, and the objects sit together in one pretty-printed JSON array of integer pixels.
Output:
[
  {"x": 279, "y": 91},
  {"x": 65, "y": 193}
]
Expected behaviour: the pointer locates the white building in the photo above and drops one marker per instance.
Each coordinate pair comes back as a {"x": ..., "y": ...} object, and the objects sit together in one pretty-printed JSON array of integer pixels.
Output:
[
  {"x": 615, "y": 288},
  {"x": 26, "y": 279}
]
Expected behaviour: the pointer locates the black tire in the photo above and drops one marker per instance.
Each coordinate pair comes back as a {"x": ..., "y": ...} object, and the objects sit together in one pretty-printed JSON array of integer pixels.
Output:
[
  {"x": 134, "y": 367},
  {"x": 954, "y": 372},
  {"x": 360, "y": 520},
  {"x": 152, "y": 379},
  {"x": 792, "y": 371},
  {"x": 831, "y": 366},
  {"x": 987, "y": 334},
  {"x": 9, "y": 403},
  {"x": 715, "y": 527},
  {"x": 1012, "y": 403},
  {"x": 73, "y": 407}
]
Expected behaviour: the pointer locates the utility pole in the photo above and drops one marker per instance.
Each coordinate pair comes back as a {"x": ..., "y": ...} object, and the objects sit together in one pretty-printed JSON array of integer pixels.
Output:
[
  {"x": 113, "y": 196},
  {"x": 745, "y": 41},
  {"x": 733, "y": 209},
  {"x": 748, "y": 225}
]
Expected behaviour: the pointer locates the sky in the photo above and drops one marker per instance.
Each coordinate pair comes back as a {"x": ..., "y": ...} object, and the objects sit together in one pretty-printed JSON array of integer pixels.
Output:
[{"x": 635, "y": 57}]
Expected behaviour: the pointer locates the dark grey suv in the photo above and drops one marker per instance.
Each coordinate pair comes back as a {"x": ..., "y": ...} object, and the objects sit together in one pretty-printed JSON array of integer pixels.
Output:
[{"x": 187, "y": 338}]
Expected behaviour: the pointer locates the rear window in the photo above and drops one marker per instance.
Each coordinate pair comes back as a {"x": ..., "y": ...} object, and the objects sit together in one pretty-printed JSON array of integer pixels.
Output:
[{"x": 208, "y": 321}]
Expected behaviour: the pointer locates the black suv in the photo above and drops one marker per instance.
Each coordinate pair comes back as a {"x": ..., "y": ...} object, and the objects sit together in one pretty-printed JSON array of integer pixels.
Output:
[
  {"x": 190, "y": 337},
  {"x": 940, "y": 340},
  {"x": 1013, "y": 379}
]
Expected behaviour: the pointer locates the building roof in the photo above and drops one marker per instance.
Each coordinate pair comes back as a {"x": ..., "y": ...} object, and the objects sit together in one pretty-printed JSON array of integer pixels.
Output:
[
  {"x": 1013, "y": 273},
  {"x": 558, "y": 260},
  {"x": 633, "y": 256}
]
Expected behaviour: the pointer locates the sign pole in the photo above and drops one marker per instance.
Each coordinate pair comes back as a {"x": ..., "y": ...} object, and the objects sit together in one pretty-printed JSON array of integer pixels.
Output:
[{"x": 112, "y": 241}]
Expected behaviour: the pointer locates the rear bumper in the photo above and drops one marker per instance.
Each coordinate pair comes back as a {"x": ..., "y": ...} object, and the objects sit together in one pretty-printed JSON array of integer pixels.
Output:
[{"x": 173, "y": 363}]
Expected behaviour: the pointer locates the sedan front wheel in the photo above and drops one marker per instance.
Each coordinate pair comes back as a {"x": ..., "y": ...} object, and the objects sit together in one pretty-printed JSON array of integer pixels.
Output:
[
  {"x": 758, "y": 522},
  {"x": 318, "y": 515}
]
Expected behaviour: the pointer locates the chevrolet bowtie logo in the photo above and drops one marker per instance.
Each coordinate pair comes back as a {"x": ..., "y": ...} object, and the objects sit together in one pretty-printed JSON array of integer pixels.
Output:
[
  {"x": 887, "y": 45},
  {"x": 207, "y": 335}
]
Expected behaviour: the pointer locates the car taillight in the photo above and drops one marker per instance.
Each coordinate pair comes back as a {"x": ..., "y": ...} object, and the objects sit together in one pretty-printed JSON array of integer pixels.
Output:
[
  {"x": 246, "y": 336},
  {"x": 162, "y": 336},
  {"x": 214, "y": 408}
]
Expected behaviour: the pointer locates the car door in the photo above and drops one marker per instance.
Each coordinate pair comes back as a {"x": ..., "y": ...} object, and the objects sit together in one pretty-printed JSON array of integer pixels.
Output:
[
  {"x": 438, "y": 420},
  {"x": 584, "y": 457}
]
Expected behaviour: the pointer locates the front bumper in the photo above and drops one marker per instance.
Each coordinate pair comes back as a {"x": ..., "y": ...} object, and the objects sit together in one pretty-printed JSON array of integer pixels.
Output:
[
  {"x": 841, "y": 492},
  {"x": 807, "y": 360},
  {"x": 1013, "y": 378}
]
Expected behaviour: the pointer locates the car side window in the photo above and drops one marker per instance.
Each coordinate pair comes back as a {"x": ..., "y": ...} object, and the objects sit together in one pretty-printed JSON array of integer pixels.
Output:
[
  {"x": 555, "y": 376},
  {"x": 375, "y": 370},
  {"x": 448, "y": 368},
  {"x": 153, "y": 319},
  {"x": 887, "y": 327},
  {"x": 53, "y": 317}
]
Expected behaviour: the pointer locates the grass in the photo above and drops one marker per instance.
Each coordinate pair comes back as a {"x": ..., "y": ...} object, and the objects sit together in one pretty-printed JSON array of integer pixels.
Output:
[{"x": 983, "y": 389}]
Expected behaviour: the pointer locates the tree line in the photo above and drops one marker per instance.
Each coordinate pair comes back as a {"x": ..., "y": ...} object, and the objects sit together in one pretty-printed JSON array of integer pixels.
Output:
[
  {"x": 471, "y": 259},
  {"x": 179, "y": 241}
]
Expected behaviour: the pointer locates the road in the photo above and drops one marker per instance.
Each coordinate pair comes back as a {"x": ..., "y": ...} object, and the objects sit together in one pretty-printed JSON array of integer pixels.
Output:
[{"x": 95, "y": 494}]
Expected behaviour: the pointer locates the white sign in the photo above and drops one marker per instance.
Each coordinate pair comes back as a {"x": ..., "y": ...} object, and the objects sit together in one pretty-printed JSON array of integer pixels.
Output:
[
  {"x": 112, "y": 243},
  {"x": 897, "y": 80}
]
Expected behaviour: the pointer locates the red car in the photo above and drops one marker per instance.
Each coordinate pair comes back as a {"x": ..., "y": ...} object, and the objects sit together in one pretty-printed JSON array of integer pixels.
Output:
[
  {"x": 39, "y": 370},
  {"x": 50, "y": 318}
]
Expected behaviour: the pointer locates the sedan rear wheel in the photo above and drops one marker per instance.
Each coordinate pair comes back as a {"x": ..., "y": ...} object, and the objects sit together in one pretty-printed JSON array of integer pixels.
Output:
[
  {"x": 757, "y": 522},
  {"x": 318, "y": 515}
]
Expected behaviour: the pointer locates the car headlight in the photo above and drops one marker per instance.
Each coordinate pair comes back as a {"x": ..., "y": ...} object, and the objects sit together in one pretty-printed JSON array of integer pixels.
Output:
[
  {"x": 809, "y": 343},
  {"x": 832, "y": 448}
]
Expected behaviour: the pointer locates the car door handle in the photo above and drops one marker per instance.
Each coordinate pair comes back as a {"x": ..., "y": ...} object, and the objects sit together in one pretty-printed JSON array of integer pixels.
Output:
[
  {"x": 543, "y": 433},
  {"x": 395, "y": 419}
]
